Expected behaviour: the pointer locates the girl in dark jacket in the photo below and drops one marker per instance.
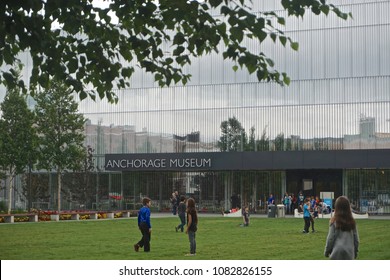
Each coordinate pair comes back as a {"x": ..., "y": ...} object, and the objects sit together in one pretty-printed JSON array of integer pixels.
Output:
[{"x": 192, "y": 225}]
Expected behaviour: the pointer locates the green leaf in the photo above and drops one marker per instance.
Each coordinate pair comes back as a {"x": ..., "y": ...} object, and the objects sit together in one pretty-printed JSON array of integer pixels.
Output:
[
  {"x": 8, "y": 57},
  {"x": 236, "y": 34},
  {"x": 158, "y": 77},
  {"x": 261, "y": 74},
  {"x": 294, "y": 45},
  {"x": 225, "y": 10},
  {"x": 215, "y": 3},
  {"x": 273, "y": 36},
  {"x": 182, "y": 60},
  {"x": 316, "y": 10},
  {"x": 325, "y": 9},
  {"x": 127, "y": 71},
  {"x": 179, "y": 50},
  {"x": 73, "y": 65},
  {"x": 231, "y": 52},
  {"x": 261, "y": 35},
  {"x": 83, "y": 95},
  {"x": 281, "y": 21},
  {"x": 270, "y": 62},
  {"x": 176, "y": 78},
  {"x": 9, "y": 79},
  {"x": 179, "y": 39},
  {"x": 82, "y": 60},
  {"x": 283, "y": 40},
  {"x": 43, "y": 81},
  {"x": 168, "y": 60},
  {"x": 286, "y": 79}
]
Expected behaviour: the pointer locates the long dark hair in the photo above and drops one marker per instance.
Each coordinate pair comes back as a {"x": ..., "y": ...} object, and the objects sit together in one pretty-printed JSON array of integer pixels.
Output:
[
  {"x": 192, "y": 210},
  {"x": 343, "y": 218}
]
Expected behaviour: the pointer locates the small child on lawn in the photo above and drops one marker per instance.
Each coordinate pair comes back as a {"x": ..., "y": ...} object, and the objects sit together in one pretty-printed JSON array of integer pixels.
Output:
[{"x": 144, "y": 225}]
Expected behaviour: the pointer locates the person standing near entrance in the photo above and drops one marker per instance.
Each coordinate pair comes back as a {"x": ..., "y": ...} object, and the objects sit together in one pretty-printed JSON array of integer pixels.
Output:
[
  {"x": 293, "y": 203},
  {"x": 342, "y": 242},
  {"x": 144, "y": 225},
  {"x": 301, "y": 198},
  {"x": 271, "y": 199},
  {"x": 286, "y": 202},
  {"x": 234, "y": 200}
]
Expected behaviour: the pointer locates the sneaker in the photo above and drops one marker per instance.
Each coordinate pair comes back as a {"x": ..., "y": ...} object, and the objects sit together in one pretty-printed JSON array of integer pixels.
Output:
[
  {"x": 305, "y": 232},
  {"x": 313, "y": 231},
  {"x": 136, "y": 247},
  {"x": 189, "y": 255}
]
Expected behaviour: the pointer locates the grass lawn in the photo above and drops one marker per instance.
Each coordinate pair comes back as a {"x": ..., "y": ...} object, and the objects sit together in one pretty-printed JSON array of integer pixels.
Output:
[{"x": 218, "y": 238}]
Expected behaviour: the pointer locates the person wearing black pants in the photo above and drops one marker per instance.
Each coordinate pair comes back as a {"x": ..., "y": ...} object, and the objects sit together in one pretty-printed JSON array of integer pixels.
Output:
[
  {"x": 306, "y": 215},
  {"x": 181, "y": 209},
  {"x": 144, "y": 226}
]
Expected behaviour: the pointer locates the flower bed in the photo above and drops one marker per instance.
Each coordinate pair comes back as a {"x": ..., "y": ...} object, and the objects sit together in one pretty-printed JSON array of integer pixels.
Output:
[
  {"x": 18, "y": 217},
  {"x": 21, "y": 219},
  {"x": 48, "y": 215}
]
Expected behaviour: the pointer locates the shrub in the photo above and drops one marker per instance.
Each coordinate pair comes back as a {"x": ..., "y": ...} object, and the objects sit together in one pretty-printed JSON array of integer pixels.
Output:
[{"x": 3, "y": 206}]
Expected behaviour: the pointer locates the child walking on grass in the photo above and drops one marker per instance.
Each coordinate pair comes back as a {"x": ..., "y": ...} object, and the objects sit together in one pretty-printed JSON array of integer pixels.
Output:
[
  {"x": 181, "y": 209},
  {"x": 144, "y": 225},
  {"x": 245, "y": 216}
]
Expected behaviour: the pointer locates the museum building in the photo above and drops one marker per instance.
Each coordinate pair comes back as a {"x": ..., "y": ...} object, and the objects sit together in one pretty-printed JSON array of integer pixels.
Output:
[{"x": 225, "y": 133}]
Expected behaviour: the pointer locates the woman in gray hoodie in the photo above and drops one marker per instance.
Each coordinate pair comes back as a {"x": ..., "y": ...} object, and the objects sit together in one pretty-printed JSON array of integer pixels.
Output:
[{"x": 342, "y": 242}]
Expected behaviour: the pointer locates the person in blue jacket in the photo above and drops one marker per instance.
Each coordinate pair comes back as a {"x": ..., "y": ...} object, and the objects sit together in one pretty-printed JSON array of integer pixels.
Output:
[
  {"x": 144, "y": 225},
  {"x": 271, "y": 199},
  {"x": 306, "y": 215}
]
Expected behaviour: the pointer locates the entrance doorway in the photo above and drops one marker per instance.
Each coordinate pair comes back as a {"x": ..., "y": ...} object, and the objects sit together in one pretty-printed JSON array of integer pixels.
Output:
[{"x": 312, "y": 182}]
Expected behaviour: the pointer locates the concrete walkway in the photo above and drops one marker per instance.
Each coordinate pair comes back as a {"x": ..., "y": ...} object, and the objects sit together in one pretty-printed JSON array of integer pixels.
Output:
[{"x": 288, "y": 216}]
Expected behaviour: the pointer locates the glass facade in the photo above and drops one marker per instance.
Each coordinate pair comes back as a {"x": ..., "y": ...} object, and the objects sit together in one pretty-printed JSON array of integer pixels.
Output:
[{"x": 338, "y": 99}]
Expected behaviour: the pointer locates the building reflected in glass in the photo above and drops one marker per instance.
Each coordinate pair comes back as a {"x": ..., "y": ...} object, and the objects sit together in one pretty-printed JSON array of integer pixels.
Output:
[{"x": 338, "y": 99}]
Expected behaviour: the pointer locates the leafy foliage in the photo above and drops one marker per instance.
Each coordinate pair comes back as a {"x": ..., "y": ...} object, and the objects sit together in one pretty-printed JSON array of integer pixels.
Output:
[
  {"x": 233, "y": 136},
  {"x": 60, "y": 128},
  {"x": 80, "y": 183},
  {"x": 17, "y": 136},
  {"x": 81, "y": 45}
]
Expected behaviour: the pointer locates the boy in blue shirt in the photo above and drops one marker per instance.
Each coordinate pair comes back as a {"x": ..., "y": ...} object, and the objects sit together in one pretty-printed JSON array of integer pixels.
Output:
[
  {"x": 144, "y": 225},
  {"x": 306, "y": 215},
  {"x": 271, "y": 199}
]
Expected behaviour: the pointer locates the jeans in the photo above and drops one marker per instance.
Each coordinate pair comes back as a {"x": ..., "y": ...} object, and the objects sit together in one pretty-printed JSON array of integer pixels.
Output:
[
  {"x": 191, "y": 238},
  {"x": 182, "y": 222},
  {"x": 174, "y": 209}
]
